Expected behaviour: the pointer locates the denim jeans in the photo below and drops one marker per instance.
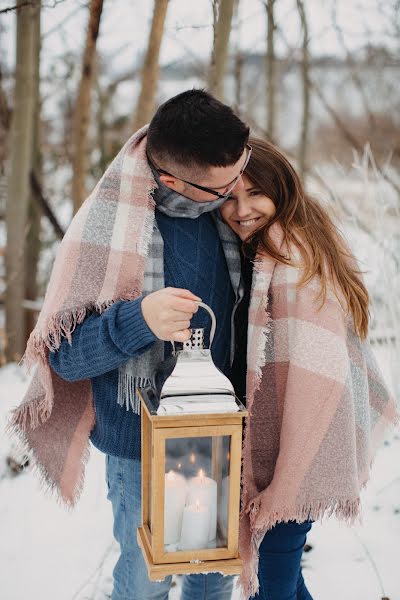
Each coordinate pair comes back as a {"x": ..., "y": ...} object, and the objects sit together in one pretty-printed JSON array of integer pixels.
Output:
[
  {"x": 130, "y": 574},
  {"x": 279, "y": 569}
]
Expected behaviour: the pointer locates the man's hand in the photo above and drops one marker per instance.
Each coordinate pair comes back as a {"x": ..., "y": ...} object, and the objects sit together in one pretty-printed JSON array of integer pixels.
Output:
[{"x": 168, "y": 313}]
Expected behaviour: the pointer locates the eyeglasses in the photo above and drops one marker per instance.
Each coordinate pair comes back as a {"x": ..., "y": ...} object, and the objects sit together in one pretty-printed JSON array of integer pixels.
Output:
[{"x": 223, "y": 196}]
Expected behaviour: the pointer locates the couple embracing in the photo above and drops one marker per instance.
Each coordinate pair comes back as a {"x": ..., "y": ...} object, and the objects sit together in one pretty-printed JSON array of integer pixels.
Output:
[{"x": 192, "y": 209}]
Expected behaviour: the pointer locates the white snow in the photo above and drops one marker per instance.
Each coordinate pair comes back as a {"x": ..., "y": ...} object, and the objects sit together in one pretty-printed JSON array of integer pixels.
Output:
[{"x": 48, "y": 553}]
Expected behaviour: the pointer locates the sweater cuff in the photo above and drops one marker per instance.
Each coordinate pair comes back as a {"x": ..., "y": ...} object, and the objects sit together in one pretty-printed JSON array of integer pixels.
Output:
[{"x": 135, "y": 332}]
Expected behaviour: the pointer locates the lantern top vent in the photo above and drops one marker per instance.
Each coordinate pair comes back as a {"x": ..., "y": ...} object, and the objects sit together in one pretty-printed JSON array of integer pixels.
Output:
[{"x": 195, "y": 384}]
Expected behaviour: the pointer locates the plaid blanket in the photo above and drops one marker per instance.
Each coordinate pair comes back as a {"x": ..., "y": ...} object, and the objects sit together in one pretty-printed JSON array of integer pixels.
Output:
[
  {"x": 101, "y": 259},
  {"x": 318, "y": 408}
]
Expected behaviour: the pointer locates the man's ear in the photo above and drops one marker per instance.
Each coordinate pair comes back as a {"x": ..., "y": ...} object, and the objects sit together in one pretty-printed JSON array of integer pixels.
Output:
[{"x": 174, "y": 184}]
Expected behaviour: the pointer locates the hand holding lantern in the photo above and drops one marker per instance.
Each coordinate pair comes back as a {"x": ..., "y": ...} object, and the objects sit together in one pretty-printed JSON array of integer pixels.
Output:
[{"x": 191, "y": 419}]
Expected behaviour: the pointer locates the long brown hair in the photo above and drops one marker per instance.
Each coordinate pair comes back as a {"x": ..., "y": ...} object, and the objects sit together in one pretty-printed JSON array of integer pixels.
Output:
[{"x": 307, "y": 225}]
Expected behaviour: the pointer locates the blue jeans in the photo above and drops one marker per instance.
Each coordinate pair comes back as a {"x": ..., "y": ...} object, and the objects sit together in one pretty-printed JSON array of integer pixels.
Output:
[
  {"x": 279, "y": 569},
  {"x": 130, "y": 573}
]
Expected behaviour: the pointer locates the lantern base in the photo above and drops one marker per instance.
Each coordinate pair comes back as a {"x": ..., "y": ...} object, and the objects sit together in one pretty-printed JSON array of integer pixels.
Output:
[{"x": 231, "y": 566}]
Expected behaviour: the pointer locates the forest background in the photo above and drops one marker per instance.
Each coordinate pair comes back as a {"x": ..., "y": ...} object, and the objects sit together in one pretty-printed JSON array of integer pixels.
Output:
[{"x": 77, "y": 77}]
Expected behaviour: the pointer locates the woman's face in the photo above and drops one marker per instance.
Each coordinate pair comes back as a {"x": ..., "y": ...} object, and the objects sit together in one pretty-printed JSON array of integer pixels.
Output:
[{"x": 247, "y": 209}]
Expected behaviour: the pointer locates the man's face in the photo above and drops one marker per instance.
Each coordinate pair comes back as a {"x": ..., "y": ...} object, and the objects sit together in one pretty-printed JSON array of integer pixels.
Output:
[{"x": 219, "y": 179}]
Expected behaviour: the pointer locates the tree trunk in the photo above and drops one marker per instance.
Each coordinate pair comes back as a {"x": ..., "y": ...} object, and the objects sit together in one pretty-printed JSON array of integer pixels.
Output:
[
  {"x": 222, "y": 29},
  {"x": 33, "y": 243},
  {"x": 215, "y": 8},
  {"x": 238, "y": 61},
  {"x": 19, "y": 178},
  {"x": 271, "y": 70},
  {"x": 101, "y": 126},
  {"x": 305, "y": 70},
  {"x": 5, "y": 120},
  {"x": 82, "y": 109},
  {"x": 149, "y": 76}
]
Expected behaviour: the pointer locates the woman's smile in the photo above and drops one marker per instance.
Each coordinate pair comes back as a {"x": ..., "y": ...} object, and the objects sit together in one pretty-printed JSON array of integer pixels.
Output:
[
  {"x": 248, "y": 222},
  {"x": 247, "y": 209}
]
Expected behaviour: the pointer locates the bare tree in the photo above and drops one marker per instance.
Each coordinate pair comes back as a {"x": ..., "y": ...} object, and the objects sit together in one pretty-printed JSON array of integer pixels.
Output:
[
  {"x": 354, "y": 68},
  {"x": 33, "y": 243},
  {"x": 19, "y": 177},
  {"x": 215, "y": 10},
  {"x": 238, "y": 59},
  {"x": 5, "y": 109},
  {"x": 351, "y": 138},
  {"x": 5, "y": 120},
  {"x": 305, "y": 76},
  {"x": 271, "y": 90},
  {"x": 223, "y": 12},
  {"x": 145, "y": 104},
  {"x": 102, "y": 104},
  {"x": 82, "y": 108},
  {"x": 341, "y": 125}
]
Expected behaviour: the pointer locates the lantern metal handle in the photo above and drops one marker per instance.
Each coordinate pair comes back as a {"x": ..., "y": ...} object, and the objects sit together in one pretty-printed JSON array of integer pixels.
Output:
[
  {"x": 213, "y": 325},
  {"x": 213, "y": 321}
]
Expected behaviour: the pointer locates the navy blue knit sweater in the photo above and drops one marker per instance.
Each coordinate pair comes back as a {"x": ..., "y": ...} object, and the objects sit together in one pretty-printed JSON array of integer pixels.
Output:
[{"x": 194, "y": 260}]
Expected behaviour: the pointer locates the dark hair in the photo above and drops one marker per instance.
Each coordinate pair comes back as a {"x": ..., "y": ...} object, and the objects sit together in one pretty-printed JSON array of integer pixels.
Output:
[
  {"x": 193, "y": 129},
  {"x": 307, "y": 225}
]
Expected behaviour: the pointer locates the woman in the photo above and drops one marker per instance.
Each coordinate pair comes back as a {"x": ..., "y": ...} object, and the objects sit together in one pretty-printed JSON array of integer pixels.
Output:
[{"x": 317, "y": 403}]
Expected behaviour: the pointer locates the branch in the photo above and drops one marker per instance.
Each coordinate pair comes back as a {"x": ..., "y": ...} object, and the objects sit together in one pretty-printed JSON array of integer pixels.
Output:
[
  {"x": 191, "y": 27},
  {"x": 341, "y": 126},
  {"x": 44, "y": 205},
  {"x": 351, "y": 63},
  {"x": 97, "y": 571},
  {"x": 197, "y": 63},
  {"x": 348, "y": 135},
  {"x": 18, "y": 7},
  {"x": 372, "y": 563},
  {"x": 63, "y": 21}
]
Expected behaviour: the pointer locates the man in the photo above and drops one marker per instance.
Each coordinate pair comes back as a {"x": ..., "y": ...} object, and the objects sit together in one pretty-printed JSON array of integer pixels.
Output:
[{"x": 197, "y": 151}]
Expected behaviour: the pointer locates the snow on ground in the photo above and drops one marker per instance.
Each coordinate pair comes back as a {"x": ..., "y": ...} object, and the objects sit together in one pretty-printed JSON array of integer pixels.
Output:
[{"x": 48, "y": 553}]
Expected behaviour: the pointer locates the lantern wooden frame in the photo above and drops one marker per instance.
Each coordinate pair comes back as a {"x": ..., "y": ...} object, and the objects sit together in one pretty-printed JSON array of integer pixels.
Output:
[{"x": 156, "y": 430}]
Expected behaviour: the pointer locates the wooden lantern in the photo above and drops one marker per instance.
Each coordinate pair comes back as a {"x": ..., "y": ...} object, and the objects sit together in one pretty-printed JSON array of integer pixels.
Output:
[{"x": 191, "y": 466}]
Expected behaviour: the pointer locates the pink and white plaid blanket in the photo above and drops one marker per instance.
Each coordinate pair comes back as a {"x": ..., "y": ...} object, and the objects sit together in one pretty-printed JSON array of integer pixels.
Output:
[
  {"x": 318, "y": 405},
  {"x": 101, "y": 260},
  {"x": 318, "y": 408}
]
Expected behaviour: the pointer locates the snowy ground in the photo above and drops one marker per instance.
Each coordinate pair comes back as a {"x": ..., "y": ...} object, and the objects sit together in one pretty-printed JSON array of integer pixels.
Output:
[{"x": 47, "y": 553}]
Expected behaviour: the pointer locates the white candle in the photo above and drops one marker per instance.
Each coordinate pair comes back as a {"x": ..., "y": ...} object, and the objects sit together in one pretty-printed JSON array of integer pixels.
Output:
[
  {"x": 223, "y": 507},
  {"x": 195, "y": 526},
  {"x": 174, "y": 501},
  {"x": 204, "y": 489}
]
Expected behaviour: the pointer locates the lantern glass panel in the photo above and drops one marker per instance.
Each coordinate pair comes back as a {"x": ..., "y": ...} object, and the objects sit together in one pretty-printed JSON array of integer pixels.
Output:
[{"x": 196, "y": 493}]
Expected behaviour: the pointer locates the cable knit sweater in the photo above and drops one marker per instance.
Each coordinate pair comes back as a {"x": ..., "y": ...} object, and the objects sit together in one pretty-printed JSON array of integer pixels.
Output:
[{"x": 194, "y": 260}]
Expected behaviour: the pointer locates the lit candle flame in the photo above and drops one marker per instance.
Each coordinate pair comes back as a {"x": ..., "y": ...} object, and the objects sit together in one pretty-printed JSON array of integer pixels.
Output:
[
  {"x": 171, "y": 475},
  {"x": 201, "y": 473},
  {"x": 192, "y": 458},
  {"x": 179, "y": 466}
]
